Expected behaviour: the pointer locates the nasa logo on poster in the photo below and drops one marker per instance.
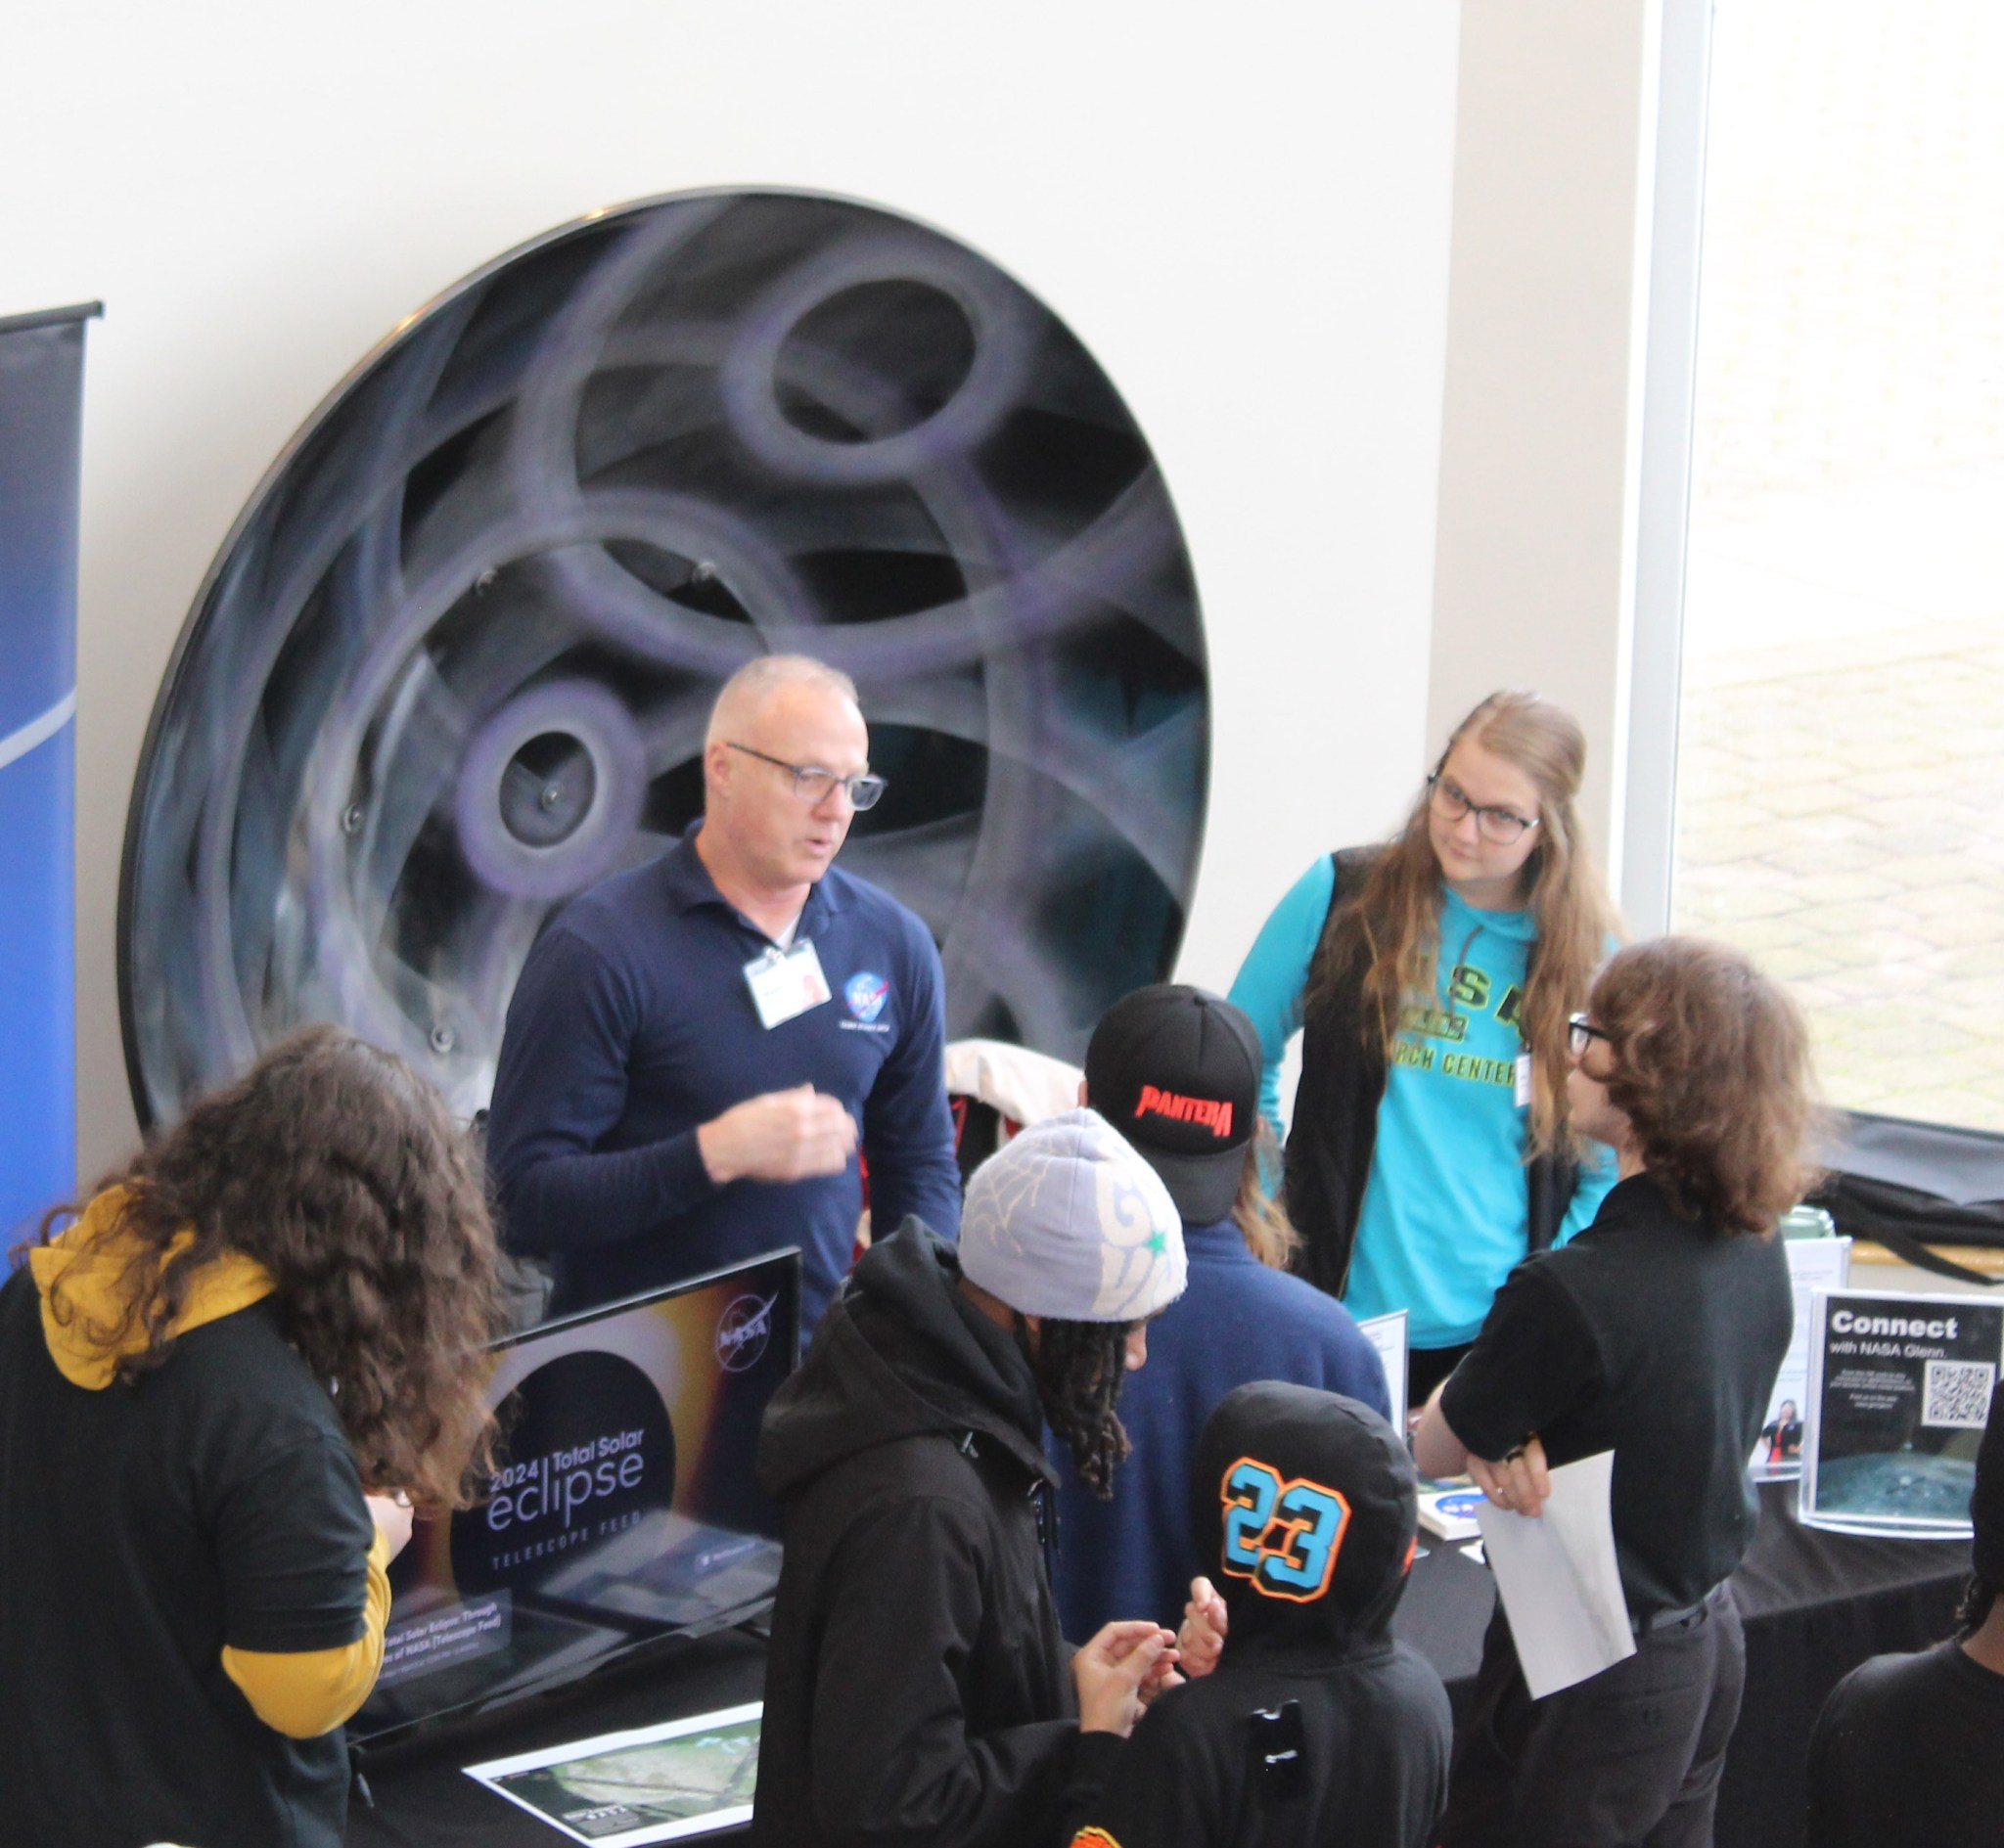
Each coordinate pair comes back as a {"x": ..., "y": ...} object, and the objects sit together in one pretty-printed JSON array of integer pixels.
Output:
[{"x": 742, "y": 1332}]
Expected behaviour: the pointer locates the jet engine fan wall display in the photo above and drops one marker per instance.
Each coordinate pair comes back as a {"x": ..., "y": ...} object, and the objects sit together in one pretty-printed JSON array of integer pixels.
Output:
[{"x": 454, "y": 662}]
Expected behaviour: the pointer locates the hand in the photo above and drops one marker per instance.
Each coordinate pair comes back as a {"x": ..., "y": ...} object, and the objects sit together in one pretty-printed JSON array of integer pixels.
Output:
[
  {"x": 1110, "y": 1671},
  {"x": 1162, "y": 1674},
  {"x": 1519, "y": 1481},
  {"x": 392, "y": 1514},
  {"x": 1436, "y": 1451},
  {"x": 781, "y": 1135},
  {"x": 1202, "y": 1639}
]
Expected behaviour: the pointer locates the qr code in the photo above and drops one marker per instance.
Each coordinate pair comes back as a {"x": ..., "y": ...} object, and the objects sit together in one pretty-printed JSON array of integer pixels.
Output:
[{"x": 1958, "y": 1394}]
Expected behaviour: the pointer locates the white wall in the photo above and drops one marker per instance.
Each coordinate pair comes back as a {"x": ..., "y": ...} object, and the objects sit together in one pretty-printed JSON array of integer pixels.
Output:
[
  {"x": 1245, "y": 216},
  {"x": 1541, "y": 420}
]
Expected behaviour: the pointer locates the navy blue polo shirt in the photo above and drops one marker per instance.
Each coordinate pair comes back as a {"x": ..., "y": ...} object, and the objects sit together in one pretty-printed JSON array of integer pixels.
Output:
[{"x": 632, "y": 1024}]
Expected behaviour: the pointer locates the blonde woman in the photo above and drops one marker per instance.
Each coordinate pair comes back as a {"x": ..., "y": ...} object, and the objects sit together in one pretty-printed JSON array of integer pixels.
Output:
[{"x": 1431, "y": 1146}]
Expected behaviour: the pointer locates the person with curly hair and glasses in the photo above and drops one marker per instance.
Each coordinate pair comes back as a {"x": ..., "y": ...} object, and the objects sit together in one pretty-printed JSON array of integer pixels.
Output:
[
  {"x": 1431, "y": 1145},
  {"x": 224, "y": 1389},
  {"x": 1656, "y": 1333}
]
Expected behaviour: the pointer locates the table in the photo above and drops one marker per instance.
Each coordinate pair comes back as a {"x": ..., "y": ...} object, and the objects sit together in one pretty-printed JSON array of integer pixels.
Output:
[{"x": 1814, "y": 1605}]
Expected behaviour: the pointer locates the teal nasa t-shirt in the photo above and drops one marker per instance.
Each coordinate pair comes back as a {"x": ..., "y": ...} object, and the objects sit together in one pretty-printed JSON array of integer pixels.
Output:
[{"x": 1445, "y": 1213}]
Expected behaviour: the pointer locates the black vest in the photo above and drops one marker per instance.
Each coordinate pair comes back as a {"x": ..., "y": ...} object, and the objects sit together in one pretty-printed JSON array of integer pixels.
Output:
[{"x": 1335, "y": 1125}]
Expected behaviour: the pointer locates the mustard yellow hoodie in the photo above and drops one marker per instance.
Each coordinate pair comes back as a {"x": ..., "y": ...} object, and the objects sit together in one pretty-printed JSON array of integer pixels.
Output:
[{"x": 80, "y": 1277}]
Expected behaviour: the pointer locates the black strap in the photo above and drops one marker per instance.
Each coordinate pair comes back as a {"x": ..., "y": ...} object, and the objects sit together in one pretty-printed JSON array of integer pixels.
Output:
[
  {"x": 1351, "y": 865},
  {"x": 1861, "y": 1221}
]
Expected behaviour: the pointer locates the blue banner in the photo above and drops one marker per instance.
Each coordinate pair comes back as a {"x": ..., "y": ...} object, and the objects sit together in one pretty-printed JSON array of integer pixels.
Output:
[{"x": 41, "y": 387}]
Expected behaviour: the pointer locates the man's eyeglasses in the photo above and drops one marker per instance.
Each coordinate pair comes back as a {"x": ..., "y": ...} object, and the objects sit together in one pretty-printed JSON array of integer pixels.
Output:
[
  {"x": 812, "y": 784},
  {"x": 1581, "y": 1033},
  {"x": 1501, "y": 826}
]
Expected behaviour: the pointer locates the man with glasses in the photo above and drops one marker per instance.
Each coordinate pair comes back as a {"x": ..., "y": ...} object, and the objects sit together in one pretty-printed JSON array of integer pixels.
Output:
[{"x": 699, "y": 1049}]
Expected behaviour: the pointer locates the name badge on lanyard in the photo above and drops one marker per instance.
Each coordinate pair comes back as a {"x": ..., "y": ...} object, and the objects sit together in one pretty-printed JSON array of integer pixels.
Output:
[
  {"x": 784, "y": 983},
  {"x": 1522, "y": 1079}
]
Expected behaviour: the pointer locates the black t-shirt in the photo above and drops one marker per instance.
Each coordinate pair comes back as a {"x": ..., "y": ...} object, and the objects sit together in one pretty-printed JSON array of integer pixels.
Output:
[
  {"x": 1910, "y": 1748},
  {"x": 140, "y": 1530},
  {"x": 1659, "y": 1338}
]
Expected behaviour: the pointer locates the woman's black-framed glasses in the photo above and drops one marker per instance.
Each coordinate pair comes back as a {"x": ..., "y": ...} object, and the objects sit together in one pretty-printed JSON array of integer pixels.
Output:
[
  {"x": 812, "y": 784},
  {"x": 1581, "y": 1033},
  {"x": 1500, "y": 825}
]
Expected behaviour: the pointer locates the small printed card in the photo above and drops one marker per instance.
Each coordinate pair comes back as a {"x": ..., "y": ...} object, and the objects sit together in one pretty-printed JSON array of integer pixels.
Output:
[
  {"x": 786, "y": 983},
  {"x": 1450, "y": 1513},
  {"x": 1814, "y": 1264}
]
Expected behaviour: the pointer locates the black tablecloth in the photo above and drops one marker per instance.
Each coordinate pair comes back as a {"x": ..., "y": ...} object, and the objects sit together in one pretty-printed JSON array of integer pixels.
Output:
[{"x": 1815, "y": 1605}]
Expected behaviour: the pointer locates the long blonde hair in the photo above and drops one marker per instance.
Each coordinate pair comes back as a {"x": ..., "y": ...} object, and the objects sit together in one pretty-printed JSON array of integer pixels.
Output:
[
  {"x": 1389, "y": 931},
  {"x": 1262, "y": 1221}
]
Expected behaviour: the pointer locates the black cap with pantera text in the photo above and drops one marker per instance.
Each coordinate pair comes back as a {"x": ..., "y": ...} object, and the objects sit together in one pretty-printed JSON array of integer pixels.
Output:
[{"x": 1177, "y": 1070}]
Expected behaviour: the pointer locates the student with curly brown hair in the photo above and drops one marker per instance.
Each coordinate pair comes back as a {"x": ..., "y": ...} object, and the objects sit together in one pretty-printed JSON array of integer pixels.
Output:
[
  {"x": 222, "y": 1389},
  {"x": 1656, "y": 1333},
  {"x": 1431, "y": 977}
]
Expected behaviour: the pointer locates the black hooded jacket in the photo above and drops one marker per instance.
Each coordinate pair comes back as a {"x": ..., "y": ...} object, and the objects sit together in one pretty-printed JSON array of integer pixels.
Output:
[
  {"x": 1305, "y": 1503},
  {"x": 918, "y": 1691}
]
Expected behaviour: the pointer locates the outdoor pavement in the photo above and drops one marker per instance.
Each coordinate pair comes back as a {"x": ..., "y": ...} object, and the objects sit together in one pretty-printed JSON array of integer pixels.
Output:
[{"x": 1843, "y": 824}]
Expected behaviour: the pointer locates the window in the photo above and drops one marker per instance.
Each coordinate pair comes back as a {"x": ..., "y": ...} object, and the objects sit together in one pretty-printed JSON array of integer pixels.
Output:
[{"x": 1840, "y": 767}]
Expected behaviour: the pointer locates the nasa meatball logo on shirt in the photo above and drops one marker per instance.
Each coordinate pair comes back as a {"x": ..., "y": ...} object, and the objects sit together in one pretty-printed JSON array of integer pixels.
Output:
[{"x": 866, "y": 993}]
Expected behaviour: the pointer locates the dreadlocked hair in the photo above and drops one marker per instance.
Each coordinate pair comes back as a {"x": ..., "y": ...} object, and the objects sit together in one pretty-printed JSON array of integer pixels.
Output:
[{"x": 1079, "y": 1367}]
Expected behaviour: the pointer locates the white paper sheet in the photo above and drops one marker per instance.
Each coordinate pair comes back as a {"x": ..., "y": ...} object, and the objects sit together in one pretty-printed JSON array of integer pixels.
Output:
[{"x": 1557, "y": 1577}]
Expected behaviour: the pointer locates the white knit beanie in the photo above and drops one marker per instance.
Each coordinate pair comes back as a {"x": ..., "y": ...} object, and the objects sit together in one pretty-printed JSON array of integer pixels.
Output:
[{"x": 1069, "y": 1221}]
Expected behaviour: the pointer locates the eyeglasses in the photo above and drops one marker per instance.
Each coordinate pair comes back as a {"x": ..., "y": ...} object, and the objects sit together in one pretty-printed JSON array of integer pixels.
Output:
[
  {"x": 1580, "y": 1032},
  {"x": 812, "y": 784},
  {"x": 1501, "y": 826}
]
